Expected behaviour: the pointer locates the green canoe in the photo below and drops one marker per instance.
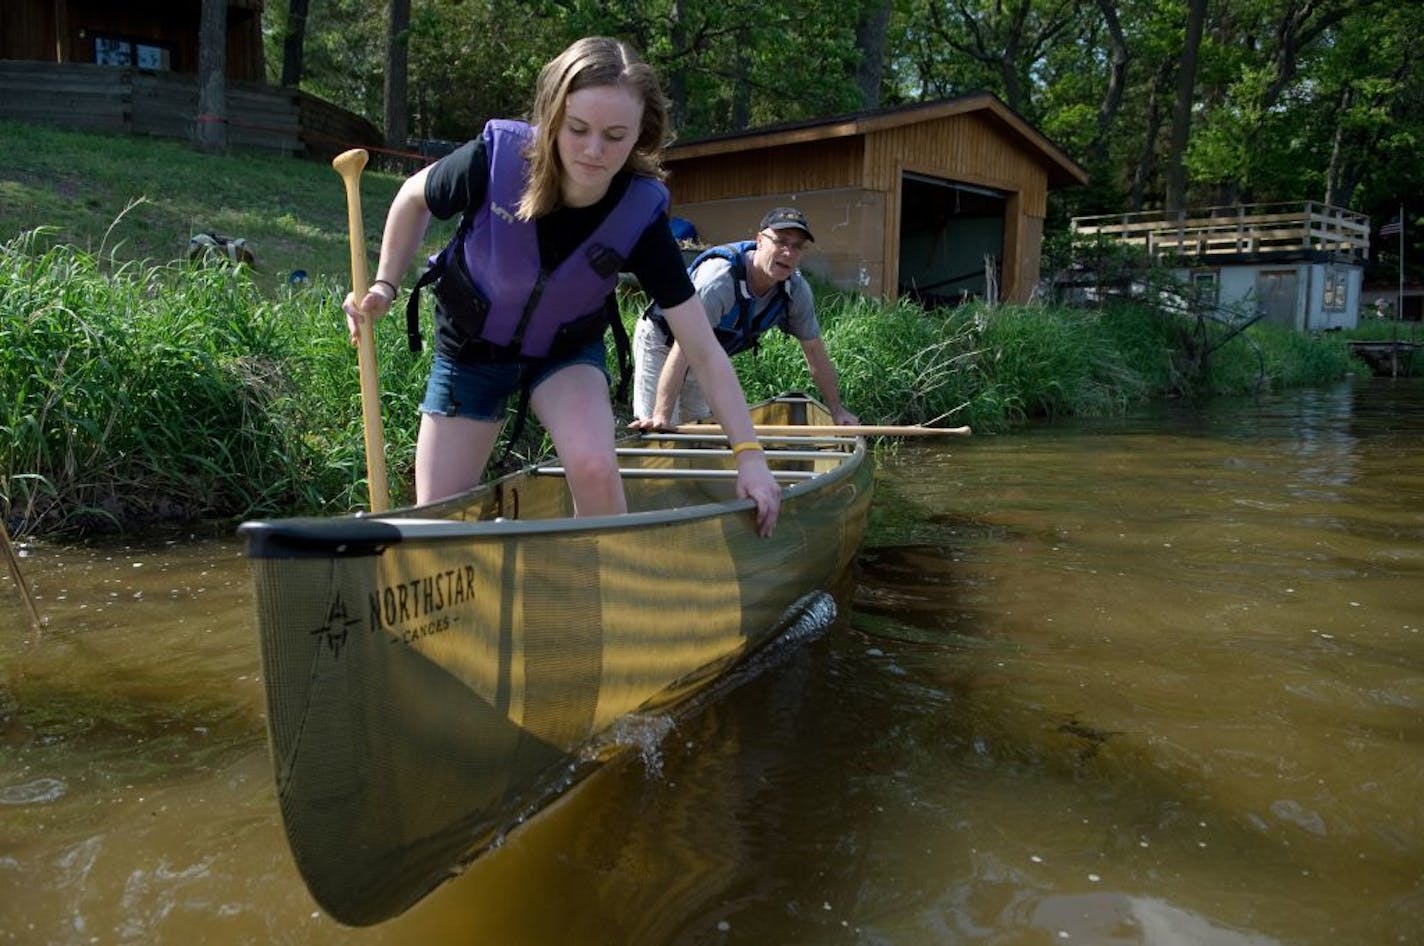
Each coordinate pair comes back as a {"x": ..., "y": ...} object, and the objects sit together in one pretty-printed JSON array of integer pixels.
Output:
[{"x": 436, "y": 674}]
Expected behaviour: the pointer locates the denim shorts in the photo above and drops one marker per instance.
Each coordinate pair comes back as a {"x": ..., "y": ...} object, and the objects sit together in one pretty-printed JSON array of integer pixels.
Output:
[{"x": 482, "y": 391}]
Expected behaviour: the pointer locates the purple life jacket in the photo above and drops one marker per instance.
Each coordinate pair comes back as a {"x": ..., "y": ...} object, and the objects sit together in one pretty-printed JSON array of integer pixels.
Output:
[{"x": 496, "y": 298}]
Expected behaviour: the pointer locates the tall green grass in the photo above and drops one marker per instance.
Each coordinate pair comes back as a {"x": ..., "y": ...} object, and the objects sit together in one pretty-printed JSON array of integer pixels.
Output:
[
  {"x": 132, "y": 393},
  {"x": 994, "y": 366},
  {"x": 142, "y": 393},
  {"x": 895, "y": 363}
]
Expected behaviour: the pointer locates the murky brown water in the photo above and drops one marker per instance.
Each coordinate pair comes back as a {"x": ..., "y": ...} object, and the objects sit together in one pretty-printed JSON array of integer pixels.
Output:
[{"x": 1155, "y": 681}]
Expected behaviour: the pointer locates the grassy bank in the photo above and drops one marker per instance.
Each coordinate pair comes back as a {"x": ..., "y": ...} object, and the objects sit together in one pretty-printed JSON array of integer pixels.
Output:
[
  {"x": 138, "y": 387},
  {"x": 141, "y": 199}
]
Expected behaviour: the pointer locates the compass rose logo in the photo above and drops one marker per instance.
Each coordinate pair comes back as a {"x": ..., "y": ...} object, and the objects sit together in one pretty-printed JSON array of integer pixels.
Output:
[{"x": 339, "y": 622}]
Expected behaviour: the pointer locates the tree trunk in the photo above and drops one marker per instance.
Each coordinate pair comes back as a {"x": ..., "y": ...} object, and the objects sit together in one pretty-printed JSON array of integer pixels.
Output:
[
  {"x": 1152, "y": 126},
  {"x": 741, "y": 115},
  {"x": 1301, "y": 23},
  {"x": 676, "y": 71},
  {"x": 1337, "y": 146},
  {"x": 1008, "y": 36},
  {"x": 397, "y": 69},
  {"x": 1117, "y": 79},
  {"x": 1182, "y": 111},
  {"x": 1010, "y": 63},
  {"x": 294, "y": 43},
  {"x": 870, "y": 41},
  {"x": 210, "y": 134}
]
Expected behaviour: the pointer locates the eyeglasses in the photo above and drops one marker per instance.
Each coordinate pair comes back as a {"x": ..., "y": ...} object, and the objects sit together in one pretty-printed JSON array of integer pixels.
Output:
[{"x": 795, "y": 246}]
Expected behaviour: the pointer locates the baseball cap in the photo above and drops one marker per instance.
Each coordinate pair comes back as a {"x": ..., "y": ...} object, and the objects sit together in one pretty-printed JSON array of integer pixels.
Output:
[{"x": 787, "y": 218}]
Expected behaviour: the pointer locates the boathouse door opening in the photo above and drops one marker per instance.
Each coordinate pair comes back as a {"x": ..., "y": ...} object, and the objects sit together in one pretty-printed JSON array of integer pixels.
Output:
[{"x": 947, "y": 230}]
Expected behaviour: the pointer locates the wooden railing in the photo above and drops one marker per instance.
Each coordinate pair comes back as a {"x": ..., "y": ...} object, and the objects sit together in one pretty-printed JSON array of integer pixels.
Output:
[
  {"x": 1239, "y": 230},
  {"x": 112, "y": 99}
]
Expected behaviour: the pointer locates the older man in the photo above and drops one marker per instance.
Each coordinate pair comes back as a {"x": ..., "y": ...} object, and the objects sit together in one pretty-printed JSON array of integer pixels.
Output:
[{"x": 747, "y": 288}]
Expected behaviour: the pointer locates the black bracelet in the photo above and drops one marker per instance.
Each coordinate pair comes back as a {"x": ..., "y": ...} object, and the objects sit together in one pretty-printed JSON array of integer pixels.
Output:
[{"x": 386, "y": 282}]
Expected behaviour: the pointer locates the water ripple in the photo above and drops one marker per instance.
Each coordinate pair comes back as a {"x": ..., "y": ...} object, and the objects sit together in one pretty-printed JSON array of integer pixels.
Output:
[{"x": 36, "y": 792}]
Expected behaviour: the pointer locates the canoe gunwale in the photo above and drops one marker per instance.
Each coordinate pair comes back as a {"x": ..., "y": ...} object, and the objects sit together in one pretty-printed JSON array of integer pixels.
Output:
[{"x": 365, "y": 534}]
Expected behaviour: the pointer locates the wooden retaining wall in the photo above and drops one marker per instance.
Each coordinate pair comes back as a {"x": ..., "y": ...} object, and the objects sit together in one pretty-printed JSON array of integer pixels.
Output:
[{"x": 112, "y": 100}]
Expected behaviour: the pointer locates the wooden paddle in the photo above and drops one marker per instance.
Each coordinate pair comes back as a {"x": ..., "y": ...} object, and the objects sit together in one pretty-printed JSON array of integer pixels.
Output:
[
  {"x": 848, "y": 430},
  {"x": 349, "y": 165},
  {"x": 14, "y": 561}
]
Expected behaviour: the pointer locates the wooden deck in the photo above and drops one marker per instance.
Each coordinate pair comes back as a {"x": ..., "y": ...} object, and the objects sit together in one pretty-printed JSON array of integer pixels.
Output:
[
  {"x": 1242, "y": 230},
  {"x": 1391, "y": 358}
]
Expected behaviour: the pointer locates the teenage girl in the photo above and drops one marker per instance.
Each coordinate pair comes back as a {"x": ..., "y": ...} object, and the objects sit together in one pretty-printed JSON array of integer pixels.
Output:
[{"x": 544, "y": 255}]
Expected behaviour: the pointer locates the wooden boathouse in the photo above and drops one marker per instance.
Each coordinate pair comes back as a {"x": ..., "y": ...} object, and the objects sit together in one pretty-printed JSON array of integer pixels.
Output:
[
  {"x": 1299, "y": 265},
  {"x": 939, "y": 201}
]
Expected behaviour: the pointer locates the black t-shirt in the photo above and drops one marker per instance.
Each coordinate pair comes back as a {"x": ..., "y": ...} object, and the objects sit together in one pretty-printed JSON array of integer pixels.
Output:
[{"x": 458, "y": 182}]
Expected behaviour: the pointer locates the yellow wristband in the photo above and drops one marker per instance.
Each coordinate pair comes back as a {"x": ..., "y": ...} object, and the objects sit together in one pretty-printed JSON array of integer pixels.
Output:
[{"x": 745, "y": 445}]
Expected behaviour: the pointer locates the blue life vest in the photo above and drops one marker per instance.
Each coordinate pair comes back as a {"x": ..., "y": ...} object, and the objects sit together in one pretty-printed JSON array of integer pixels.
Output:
[
  {"x": 496, "y": 299},
  {"x": 741, "y": 326}
]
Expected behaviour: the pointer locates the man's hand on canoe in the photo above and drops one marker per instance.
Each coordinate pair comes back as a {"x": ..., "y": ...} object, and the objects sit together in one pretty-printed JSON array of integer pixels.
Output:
[{"x": 651, "y": 425}]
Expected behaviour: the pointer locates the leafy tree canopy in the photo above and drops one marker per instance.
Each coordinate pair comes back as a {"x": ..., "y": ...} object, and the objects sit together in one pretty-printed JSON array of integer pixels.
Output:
[{"x": 1292, "y": 100}]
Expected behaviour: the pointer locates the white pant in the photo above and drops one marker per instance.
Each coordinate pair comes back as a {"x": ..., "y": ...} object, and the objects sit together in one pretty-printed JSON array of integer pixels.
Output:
[{"x": 650, "y": 353}]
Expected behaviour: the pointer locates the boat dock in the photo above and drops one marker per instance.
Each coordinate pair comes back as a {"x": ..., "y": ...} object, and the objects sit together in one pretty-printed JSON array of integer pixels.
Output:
[{"x": 1390, "y": 358}]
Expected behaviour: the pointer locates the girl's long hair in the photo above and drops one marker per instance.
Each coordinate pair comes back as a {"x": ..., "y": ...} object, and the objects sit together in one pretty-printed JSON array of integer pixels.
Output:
[{"x": 590, "y": 62}]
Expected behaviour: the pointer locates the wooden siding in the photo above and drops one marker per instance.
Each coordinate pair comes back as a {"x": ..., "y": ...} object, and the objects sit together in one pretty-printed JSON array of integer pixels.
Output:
[
  {"x": 847, "y": 221},
  {"x": 166, "y": 105},
  {"x": 27, "y": 30},
  {"x": 62, "y": 31},
  {"x": 790, "y": 169},
  {"x": 84, "y": 98},
  {"x": 328, "y": 130},
  {"x": 965, "y": 148},
  {"x": 1059, "y": 169}
]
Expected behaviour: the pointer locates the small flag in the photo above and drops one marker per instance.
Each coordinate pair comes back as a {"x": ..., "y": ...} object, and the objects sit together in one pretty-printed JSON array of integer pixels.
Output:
[{"x": 1393, "y": 227}]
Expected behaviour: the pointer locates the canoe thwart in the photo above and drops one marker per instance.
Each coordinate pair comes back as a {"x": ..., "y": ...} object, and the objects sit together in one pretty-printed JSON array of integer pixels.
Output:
[
  {"x": 717, "y": 435},
  {"x": 858, "y": 430},
  {"x": 641, "y": 473},
  {"x": 709, "y": 452}
]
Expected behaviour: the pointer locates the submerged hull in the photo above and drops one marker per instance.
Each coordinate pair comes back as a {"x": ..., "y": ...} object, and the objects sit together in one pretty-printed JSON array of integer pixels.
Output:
[{"x": 435, "y": 674}]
